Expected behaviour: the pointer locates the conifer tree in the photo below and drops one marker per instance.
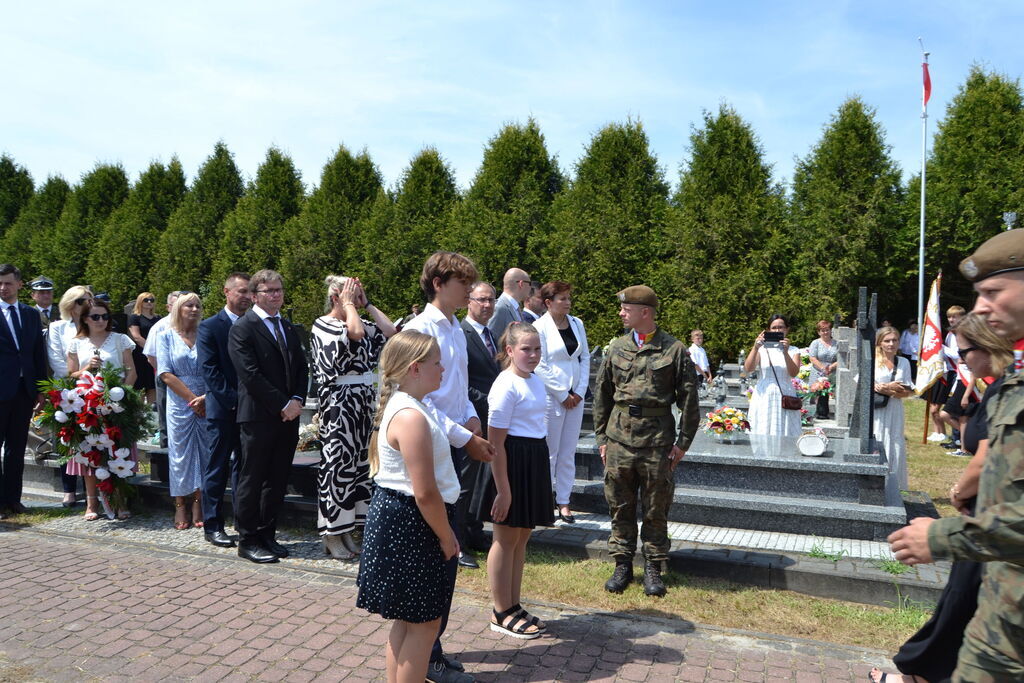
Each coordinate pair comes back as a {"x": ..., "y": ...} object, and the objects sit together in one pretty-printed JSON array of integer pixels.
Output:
[
  {"x": 317, "y": 242},
  {"x": 121, "y": 264},
  {"x": 37, "y": 218},
  {"x": 251, "y": 237},
  {"x": 16, "y": 188},
  {"x": 846, "y": 210},
  {"x": 608, "y": 227},
  {"x": 403, "y": 230},
  {"x": 505, "y": 217},
  {"x": 975, "y": 173},
  {"x": 75, "y": 237},
  {"x": 184, "y": 253},
  {"x": 726, "y": 254}
]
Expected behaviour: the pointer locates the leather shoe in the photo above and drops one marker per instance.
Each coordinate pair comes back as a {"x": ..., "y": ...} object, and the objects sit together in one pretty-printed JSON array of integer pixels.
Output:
[
  {"x": 256, "y": 553},
  {"x": 17, "y": 508},
  {"x": 219, "y": 539},
  {"x": 275, "y": 547},
  {"x": 468, "y": 561}
]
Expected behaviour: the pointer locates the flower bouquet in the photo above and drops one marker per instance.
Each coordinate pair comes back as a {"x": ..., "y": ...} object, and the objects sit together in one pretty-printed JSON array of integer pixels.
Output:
[
  {"x": 806, "y": 420},
  {"x": 97, "y": 420},
  {"x": 726, "y": 422}
]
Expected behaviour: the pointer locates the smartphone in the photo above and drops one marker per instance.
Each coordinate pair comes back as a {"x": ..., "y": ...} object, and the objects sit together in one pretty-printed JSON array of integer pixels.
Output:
[{"x": 773, "y": 337}]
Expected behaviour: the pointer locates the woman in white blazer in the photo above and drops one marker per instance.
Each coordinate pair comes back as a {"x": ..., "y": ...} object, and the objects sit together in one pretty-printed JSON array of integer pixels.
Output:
[{"x": 565, "y": 370}]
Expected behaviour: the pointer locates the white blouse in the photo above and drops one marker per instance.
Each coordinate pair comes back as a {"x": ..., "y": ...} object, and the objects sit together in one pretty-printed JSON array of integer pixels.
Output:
[
  {"x": 111, "y": 350},
  {"x": 518, "y": 404}
]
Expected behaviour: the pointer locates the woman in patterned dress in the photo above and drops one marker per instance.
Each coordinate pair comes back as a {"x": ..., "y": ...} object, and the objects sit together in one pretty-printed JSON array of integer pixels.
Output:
[
  {"x": 345, "y": 349},
  {"x": 187, "y": 440}
]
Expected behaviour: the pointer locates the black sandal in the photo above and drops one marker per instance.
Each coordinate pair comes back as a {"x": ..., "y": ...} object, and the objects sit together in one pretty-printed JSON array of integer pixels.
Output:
[
  {"x": 533, "y": 621},
  {"x": 517, "y": 627}
]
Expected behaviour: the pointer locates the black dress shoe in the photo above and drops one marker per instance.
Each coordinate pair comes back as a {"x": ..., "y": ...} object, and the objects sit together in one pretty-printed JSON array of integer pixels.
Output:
[
  {"x": 219, "y": 539},
  {"x": 17, "y": 508},
  {"x": 256, "y": 553},
  {"x": 468, "y": 561},
  {"x": 275, "y": 547}
]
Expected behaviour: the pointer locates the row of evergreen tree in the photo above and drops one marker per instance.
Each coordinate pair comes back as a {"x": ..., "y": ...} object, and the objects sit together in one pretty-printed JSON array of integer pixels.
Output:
[{"x": 725, "y": 249}]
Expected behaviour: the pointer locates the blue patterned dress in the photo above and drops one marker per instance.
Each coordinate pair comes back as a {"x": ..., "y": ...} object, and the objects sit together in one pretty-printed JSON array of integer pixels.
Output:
[{"x": 186, "y": 432}]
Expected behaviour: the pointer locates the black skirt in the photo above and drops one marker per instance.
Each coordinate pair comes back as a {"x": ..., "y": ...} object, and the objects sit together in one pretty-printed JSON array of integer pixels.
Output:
[
  {"x": 529, "y": 479},
  {"x": 402, "y": 569}
]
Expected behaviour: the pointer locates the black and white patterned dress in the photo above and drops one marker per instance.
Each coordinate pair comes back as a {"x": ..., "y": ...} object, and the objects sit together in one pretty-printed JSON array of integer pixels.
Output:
[{"x": 346, "y": 415}]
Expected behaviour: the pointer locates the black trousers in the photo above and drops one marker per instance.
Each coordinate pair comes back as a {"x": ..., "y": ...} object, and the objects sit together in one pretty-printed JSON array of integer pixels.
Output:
[
  {"x": 218, "y": 468},
  {"x": 15, "y": 414},
  {"x": 267, "y": 451}
]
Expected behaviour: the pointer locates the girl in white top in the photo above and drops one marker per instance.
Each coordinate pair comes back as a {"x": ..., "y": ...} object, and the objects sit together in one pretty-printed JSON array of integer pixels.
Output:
[
  {"x": 778, "y": 366},
  {"x": 409, "y": 538},
  {"x": 519, "y": 497}
]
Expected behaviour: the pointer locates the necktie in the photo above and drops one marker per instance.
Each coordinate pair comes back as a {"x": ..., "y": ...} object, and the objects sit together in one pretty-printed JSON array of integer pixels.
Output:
[
  {"x": 15, "y": 324},
  {"x": 489, "y": 343},
  {"x": 279, "y": 334}
]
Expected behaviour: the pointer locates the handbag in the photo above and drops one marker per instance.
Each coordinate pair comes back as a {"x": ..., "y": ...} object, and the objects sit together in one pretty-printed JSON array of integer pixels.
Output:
[
  {"x": 788, "y": 402},
  {"x": 882, "y": 400}
]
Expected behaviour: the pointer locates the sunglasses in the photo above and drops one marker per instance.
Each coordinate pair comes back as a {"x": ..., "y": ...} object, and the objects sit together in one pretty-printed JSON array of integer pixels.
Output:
[
  {"x": 99, "y": 316},
  {"x": 966, "y": 350},
  {"x": 148, "y": 300}
]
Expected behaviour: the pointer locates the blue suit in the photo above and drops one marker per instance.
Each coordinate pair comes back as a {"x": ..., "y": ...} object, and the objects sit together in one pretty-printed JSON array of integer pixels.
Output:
[
  {"x": 22, "y": 366},
  {"x": 221, "y": 407}
]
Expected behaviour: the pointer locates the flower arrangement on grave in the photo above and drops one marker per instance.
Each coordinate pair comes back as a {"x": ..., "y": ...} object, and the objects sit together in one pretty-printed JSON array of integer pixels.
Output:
[
  {"x": 309, "y": 435},
  {"x": 806, "y": 420},
  {"x": 799, "y": 385},
  {"x": 726, "y": 420},
  {"x": 97, "y": 420}
]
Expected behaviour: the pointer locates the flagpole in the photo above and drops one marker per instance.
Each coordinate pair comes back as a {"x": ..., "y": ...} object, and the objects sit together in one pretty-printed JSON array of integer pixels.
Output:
[{"x": 926, "y": 92}]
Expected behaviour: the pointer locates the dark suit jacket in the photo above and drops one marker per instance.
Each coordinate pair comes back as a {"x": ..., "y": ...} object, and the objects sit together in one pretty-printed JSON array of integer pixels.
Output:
[
  {"x": 217, "y": 368},
  {"x": 264, "y": 387},
  {"x": 483, "y": 370},
  {"x": 27, "y": 359}
]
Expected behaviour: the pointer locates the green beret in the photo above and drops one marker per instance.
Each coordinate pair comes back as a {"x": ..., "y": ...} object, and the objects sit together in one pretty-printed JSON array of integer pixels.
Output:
[
  {"x": 1000, "y": 254},
  {"x": 638, "y": 294}
]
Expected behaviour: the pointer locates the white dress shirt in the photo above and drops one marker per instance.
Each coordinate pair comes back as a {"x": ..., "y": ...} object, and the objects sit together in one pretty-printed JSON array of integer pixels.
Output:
[
  {"x": 451, "y": 400},
  {"x": 231, "y": 316},
  {"x": 699, "y": 357},
  {"x": 158, "y": 327}
]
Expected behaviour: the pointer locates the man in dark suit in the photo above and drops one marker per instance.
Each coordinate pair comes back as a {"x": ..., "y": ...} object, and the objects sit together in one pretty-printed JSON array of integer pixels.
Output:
[
  {"x": 221, "y": 405},
  {"x": 508, "y": 307},
  {"x": 272, "y": 377},
  {"x": 22, "y": 365},
  {"x": 481, "y": 347}
]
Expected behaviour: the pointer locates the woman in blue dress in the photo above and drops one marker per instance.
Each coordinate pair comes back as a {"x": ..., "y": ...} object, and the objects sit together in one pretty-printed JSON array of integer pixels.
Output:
[{"x": 178, "y": 367}]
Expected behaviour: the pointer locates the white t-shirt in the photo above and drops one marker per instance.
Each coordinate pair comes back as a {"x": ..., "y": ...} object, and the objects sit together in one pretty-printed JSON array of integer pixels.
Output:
[
  {"x": 518, "y": 404},
  {"x": 154, "y": 332}
]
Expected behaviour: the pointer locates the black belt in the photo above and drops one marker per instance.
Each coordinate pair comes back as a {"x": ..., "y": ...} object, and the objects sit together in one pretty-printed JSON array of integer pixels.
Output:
[{"x": 644, "y": 411}]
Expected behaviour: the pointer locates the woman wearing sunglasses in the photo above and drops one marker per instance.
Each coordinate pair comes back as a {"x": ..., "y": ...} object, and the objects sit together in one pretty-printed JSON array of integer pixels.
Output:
[
  {"x": 96, "y": 345},
  {"x": 143, "y": 318}
]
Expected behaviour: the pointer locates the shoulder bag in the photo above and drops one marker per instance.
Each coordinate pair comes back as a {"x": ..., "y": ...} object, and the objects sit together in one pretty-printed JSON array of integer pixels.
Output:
[
  {"x": 882, "y": 400},
  {"x": 788, "y": 402}
]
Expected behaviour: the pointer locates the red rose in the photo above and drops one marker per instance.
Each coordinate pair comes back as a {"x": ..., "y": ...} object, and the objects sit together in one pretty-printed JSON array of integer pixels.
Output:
[
  {"x": 106, "y": 486},
  {"x": 114, "y": 432}
]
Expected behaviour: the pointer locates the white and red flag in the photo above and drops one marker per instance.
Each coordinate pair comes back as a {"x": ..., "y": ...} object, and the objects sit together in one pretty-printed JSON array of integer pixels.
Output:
[{"x": 931, "y": 365}]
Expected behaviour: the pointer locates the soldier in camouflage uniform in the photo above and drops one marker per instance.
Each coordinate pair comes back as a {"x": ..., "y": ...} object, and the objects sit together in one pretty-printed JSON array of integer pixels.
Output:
[
  {"x": 642, "y": 374},
  {"x": 993, "y": 647}
]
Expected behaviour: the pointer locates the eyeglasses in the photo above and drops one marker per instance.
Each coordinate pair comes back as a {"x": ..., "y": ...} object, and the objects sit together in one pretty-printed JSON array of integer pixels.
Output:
[
  {"x": 483, "y": 299},
  {"x": 966, "y": 350},
  {"x": 271, "y": 292},
  {"x": 82, "y": 300},
  {"x": 148, "y": 300},
  {"x": 99, "y": 316}
]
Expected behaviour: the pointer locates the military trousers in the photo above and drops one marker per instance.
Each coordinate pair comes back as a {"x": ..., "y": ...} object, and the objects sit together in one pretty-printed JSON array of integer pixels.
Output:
[
  {"x": 644, "y": 475},
  {"x": 998, "y": 658}
]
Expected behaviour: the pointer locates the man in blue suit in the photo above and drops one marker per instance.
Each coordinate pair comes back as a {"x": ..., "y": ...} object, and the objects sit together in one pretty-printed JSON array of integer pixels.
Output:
[
  {"x": 221, "y": 404},
  {"x": 22, "y": 365}
]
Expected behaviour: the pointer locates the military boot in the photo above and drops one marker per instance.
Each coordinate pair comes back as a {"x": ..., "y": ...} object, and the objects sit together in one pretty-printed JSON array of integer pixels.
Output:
[
  {"x": 653, "y": 584},
  {"x": 622, "y": 577}
]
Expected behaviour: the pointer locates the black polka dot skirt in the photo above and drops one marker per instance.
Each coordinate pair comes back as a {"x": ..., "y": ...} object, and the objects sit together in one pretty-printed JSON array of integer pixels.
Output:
[
  {"x": 529, "y": 479},
  {"x": 402, "y": 569}
]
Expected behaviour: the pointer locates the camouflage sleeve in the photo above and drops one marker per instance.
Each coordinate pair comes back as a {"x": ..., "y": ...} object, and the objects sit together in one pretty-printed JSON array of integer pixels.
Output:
[
  {"x": 997, "y": 534},
  {"x": 686, "y": 399},
  {"x": 603, "y": 398}
]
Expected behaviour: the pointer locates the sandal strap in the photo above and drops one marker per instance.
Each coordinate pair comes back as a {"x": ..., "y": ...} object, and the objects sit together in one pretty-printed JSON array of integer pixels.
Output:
[
  {"x": 500, "y": 616},
  {"x": 517, "y": 623}
]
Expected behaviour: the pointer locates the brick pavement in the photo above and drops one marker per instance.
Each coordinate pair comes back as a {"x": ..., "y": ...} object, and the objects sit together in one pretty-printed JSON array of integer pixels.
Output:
[{"x": 81, "y": 609}]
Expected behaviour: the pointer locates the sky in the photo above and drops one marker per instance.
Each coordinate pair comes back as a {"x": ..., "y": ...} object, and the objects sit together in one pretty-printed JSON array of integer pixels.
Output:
[{"x": 131, "y": 83}]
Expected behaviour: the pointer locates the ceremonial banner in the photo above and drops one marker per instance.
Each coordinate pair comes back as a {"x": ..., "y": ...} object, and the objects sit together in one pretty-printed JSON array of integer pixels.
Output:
[
  {"x": 927, "y": 95},
  {"x": 930, "y": 365}
]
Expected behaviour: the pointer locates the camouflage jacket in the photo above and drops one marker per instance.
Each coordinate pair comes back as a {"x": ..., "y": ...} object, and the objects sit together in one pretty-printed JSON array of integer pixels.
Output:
[
  {"x": 996, "y": 533},
  {"x": 653, "y": 377}
]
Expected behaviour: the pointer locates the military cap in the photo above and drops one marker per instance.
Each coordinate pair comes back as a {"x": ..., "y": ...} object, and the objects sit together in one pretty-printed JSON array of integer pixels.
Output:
[
  {"x": 41, "y": 284},
  {"x": 638, "y": 294},
  {"x": 102, "y": 296},
  {"x": 1000, "y": 254}
]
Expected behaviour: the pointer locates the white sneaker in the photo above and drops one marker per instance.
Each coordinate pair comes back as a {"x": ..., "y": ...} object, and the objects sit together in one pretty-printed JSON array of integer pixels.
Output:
[{"x": 936, "y": 436}]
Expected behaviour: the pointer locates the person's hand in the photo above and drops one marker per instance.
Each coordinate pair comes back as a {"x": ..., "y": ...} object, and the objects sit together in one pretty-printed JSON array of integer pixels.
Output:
[
  {"x": 910, "y": 544},
  {"x": 349, "y": 292},
  {"x": 291, "y": 411},
  {"x": 198, "y": 405},
  {"x": 450, "y": 545},
  {"x": 480, "y": 449},
  {"x": 93, "y": 364},
  {"x": 601, "y": 450},
  {"x": 833, "y": 366},
  {"x": 473, "y": 425},
  {"x": 759, "y": 342},
  {"x": 40, "y": 402},
  {"x": 499, "y": 510},
  {"x": 676, "y": 455},
  {"x": 785, "y": 345}
]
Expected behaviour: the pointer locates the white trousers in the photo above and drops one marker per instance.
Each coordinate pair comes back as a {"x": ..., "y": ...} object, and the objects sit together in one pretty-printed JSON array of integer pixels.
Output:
[{"x": 563, "y": 436}]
